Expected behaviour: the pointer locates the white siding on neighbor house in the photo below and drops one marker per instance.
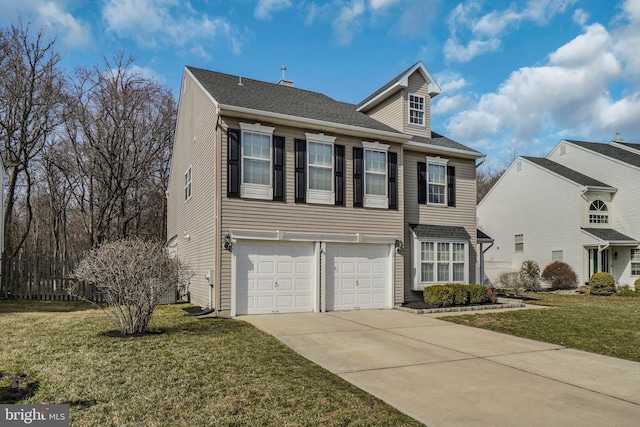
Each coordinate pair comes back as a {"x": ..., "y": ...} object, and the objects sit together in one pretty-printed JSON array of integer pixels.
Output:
[
  {"x": 614, "y": 173},
  {"x": 545, "y": 208},
  {"x": 193, "y": 221},
  {"x": 248, "y": 214},
  {"x": 462, "y": 215}
]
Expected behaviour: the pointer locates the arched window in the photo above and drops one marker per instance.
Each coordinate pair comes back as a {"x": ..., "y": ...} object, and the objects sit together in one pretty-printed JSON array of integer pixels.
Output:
[{"x": 598, "y": 213}]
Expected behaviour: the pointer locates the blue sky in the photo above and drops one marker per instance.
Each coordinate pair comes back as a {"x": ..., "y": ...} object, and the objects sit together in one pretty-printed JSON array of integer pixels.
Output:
[{"x": 517, "y": 76}]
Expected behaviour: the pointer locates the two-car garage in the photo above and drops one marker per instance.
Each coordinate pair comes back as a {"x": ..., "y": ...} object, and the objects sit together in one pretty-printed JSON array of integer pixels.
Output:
[{"x": 292, "y": 276}]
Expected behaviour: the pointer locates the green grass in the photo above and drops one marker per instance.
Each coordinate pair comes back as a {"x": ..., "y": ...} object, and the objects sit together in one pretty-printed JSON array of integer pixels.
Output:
[
  {"x": 604, "y": 325},
  {"x": 197, "y": 373}
]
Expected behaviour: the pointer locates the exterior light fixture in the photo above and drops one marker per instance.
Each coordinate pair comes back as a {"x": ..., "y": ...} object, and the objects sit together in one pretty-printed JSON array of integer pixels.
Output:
[
  {"x": 399, "y": 246},
  {"x": 227, "y": 242}
]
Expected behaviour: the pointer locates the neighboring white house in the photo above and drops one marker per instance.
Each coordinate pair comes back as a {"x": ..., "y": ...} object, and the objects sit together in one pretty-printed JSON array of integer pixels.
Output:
[{"x": 577, "y": 205}]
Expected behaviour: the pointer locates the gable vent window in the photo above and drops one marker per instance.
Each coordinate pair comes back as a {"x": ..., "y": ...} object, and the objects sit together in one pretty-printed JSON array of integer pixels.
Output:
[
  {"x": 598, "y": 213},
  {"x": 416, "y": 110}
]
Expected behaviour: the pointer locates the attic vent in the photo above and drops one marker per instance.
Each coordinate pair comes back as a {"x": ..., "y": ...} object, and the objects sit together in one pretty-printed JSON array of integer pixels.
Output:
[
  {"x": 563, "y": 149},
  {"x": 518, "y": 166},
  {"x": 283, "y": 81}
]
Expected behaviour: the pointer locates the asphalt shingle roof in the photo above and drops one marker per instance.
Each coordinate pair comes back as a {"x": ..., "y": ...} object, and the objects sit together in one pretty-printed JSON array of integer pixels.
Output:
[
  {"x": 482, "y": 235},
  {"x": 440, "y": 231},
  {"x": 442, "y": 141},
  {"x": 610, "y": 151},
  {"x": 609, "y": 234},
  {"x": 393, "y": 81},
  {"x": 566, "y": 172},
  {"x": 275, "y": 98}
]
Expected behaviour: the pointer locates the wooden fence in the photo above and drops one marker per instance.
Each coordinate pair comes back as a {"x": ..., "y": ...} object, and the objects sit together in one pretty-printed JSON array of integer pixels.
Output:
[{"x": 42, "y": 279}]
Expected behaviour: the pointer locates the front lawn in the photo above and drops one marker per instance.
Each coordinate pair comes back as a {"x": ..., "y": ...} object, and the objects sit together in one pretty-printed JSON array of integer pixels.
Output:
[
  {"x": 604, "y": 325},
  {"x": 195, "y": 373}
]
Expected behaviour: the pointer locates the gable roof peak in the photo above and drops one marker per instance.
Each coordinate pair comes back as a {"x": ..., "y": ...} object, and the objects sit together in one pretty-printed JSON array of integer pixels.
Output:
[{"x": 400, "y": 81}]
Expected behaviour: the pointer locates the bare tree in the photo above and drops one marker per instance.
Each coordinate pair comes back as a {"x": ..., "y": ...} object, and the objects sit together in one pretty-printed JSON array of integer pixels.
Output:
[
  {"x": 32, "y": 93},
  {"x": 121, "y": 136},
  {"x": 486, "y": 178}
]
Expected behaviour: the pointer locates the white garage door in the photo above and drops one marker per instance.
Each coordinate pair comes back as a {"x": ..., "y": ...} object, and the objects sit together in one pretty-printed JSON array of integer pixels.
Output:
[
  {"x": 274, "y": 277},
  {"x": 358, "y": 276}
]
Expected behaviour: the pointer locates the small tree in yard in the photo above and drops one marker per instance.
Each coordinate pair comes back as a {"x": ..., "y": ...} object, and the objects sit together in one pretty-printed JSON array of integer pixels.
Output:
[
  {"x": 560, "y": 275},
  {"x": 530, "y": 276},
  {"x": 133, "y": 275}
]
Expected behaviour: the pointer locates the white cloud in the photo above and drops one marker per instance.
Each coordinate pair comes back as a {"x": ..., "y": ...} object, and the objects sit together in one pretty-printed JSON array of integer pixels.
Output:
[
  {"x": 72, "y": 32},
  {"x": 380, "y": 4},
  {"x": 165, "y": 22},
  {"x": 569, "y": 96},
  {"x": 347, "y": 21},
  {"x": 472, "y": 33},
  {"x": 450, "y": 81},
  {"x": 580, "y": 17},
  {"x": 265, "y": 8},
  {"x": 449, "y": 104}
]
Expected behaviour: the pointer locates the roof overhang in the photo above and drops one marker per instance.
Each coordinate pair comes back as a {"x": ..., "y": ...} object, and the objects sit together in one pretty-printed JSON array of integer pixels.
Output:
[
  {"x": 438, "y": 149},
  {"x": 619, "y": 240},
  {"x": 289, "y": 120},
  {"x": 403, "y": 82},
  {"x": 597, "y": 189}
]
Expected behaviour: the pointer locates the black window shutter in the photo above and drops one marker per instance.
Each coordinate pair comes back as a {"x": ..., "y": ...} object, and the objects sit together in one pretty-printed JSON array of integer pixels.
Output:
[
  {"x": 393, "y": 180},
  {"x": 301, "y": 170},
  {"x": 278, "y": 168},
  {"x": 451, "y": 186},
  {"x": 422, "y": 182},
  {"x": 339, "y": 172},
  {"x": 233, "y": 163},
  {"x": 358, "y": 181}
]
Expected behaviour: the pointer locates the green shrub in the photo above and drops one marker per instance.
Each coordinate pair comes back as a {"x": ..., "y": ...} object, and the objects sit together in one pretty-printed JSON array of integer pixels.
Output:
[
  {"x": 628, "y": 293},
  {"x": 478, "y": 294},
  {"x": 560, "y": 275},
  {"x": 460, "y": 293},
  {"x": 636, "y": 284},
  {"x": 456, "y": 294},
  {"x": 439, "y": 295},
  {"x": 602, "y": 284}
]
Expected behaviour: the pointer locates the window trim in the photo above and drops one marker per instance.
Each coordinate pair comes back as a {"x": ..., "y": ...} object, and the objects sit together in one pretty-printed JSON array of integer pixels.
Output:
[
  {"x": 375, "y": 200},
  {"x": 421, "y": 112},
  {"x": 417, "y": 283},
  {"x": 321, "y": 196},
  {"x": 636, "y": 271},
  {"x": 520, "y": 242},
  {"x": 438, "y": 161},
  {"x": 250, "y": 190},
  {"x": 188, "y": 183}
]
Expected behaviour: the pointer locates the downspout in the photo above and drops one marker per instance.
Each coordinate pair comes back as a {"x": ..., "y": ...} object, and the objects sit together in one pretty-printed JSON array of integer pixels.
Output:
[{"x": 482, "y": 252}]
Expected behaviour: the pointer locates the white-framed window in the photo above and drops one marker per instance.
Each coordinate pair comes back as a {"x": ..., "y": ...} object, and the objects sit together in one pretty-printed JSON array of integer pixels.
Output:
[
  {"x": 416, "y": 109},
  {"x": 557, "y": 255},
  {"x": 519, "y": 242},
  {"x": 375, "y": 175},
  {"x": 320, "y": 172},
  {"x": 187, "y": 184},
  {"x": 257, "y": 161},
  {"x": 635, "y": 262},
  {"x": 598, "y": 213},
  {"x": 440, "y": 261},
  {"x": 437, "y": 181}
]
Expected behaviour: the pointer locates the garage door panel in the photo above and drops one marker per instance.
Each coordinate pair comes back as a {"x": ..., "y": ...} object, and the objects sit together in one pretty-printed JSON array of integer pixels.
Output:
[
  {"x": 273, "y": 277},
  {"x": 358, "y": 276}
]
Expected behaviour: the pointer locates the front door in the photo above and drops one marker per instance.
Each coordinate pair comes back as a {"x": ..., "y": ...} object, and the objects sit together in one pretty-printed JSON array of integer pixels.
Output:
[{"x": 598, "y": 261}]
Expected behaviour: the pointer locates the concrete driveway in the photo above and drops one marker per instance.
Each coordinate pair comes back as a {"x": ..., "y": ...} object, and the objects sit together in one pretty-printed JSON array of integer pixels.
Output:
[{"x": 444, "y": 374}]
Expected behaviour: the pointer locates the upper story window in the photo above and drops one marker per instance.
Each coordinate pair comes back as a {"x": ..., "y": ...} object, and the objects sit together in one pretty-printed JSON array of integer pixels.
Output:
[
  {"x": 416, "y": 110},
  {"x": 320, "y": 169},
  {"x": 375, "y": 175},
  {"x": 257, "y": 165},
  {"x": 598, "y": 213},
  {"x": 519, "y": 241},
  {"x": 436, "y": 182},
  {"x": 187, "y": 184}
]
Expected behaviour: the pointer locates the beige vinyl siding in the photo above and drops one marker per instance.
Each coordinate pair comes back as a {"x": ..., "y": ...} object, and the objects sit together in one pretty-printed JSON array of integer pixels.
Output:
[
  {"x": 417, "y": 86},
  {"x": 194, "y": 146},
  {"x": 390, "y": 111},
  {"x": 289, "y": 216},
  {"x": 463, "y": 214}
]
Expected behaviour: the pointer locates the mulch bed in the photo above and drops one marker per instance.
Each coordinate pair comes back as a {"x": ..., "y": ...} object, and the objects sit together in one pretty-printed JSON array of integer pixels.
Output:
[{"x": 421, "y": 305}]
